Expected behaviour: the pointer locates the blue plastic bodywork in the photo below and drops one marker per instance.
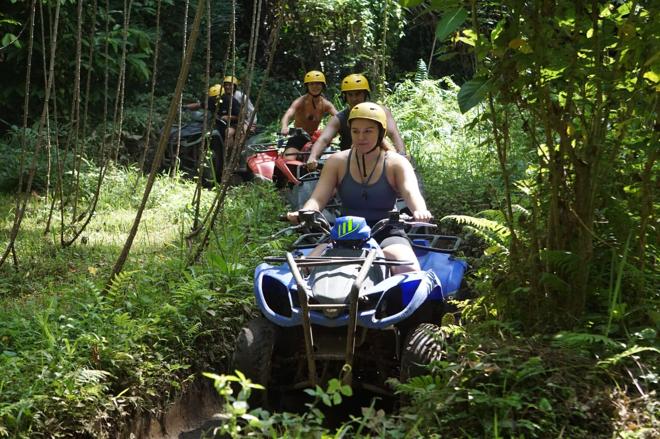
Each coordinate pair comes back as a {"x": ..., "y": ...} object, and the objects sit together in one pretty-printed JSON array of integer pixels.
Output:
[
  {"x": 439, "y": 280},
  {"x": 350, "y": 228}
]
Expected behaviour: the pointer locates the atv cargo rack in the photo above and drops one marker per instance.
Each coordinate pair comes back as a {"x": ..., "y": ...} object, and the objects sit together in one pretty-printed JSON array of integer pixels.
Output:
[{"x": 303, "y": 297}]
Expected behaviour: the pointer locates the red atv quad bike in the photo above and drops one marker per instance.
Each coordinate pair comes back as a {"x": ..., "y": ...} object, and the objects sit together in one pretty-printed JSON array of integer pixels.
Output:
[{"x": 267, "y": 161}]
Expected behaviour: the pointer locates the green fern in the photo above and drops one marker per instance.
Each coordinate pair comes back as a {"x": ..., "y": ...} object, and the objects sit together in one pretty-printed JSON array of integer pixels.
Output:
[
  {"x": 563, "y": 262},
  {"x": 615, "y": 359},
  {"x": 584, "y": 340},
  {"x": 119, "y": 282},
  {"x": 422, "y": 72},
  {"x": 493, "y": 232}
]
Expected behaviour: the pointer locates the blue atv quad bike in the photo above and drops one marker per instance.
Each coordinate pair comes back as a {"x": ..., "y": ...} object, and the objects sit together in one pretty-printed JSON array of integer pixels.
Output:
[{"x": 343, "y": 314}]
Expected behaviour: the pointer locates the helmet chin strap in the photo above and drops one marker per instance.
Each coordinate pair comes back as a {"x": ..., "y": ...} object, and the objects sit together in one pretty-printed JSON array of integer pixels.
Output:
[{"x": 364, "y": 165}]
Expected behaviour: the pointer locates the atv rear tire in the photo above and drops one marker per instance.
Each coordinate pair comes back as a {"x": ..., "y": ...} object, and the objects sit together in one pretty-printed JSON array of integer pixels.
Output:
[
  {"x": 253, "y": 356},
  {"x": 424, "y": 344}
]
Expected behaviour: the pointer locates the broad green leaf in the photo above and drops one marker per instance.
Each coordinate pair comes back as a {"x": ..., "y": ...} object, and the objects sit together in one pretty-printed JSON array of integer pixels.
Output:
[
  {"x": 545, "y": 405},
  {"x": 520, "y": 44},
  {"x": 471, "y": 93},
  {"x": 652, "y": 76},
  {"x": 606, "y": 11},
  {"x": 8, "y": 39},
  {"x": 498, "y": 30},
  {"x": 549, "y": 74},
  {"x": 492, "y": 250},
  {"x": 450, "y": 22},
  {"x": 410, "y": 3},
  {"x": 468, "y": 36}
]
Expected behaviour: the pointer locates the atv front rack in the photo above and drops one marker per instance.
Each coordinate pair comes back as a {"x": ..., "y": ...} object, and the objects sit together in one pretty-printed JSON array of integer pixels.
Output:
[
  {"x": 332, "y": 260},
  {"x": 303, "y": 297}
]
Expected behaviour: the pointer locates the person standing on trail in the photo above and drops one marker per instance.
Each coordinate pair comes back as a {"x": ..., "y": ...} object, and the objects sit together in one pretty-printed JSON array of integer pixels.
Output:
[
  {"x": 307, "y": 111},
  {"x": 354, "y": 90}
]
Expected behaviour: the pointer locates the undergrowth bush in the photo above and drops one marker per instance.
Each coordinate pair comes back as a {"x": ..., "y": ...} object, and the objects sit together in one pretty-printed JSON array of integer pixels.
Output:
[
  {"x": 492, "y": 382},
  {"x": 11, "y": 149},
  {"x": 455, "y": 158},
  {"x": 80, "y": 361}
]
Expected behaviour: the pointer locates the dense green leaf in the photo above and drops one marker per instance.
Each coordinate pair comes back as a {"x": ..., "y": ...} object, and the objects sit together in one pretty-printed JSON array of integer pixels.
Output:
[
  {"x": 472, "y": 93},
  {"x": 450, "y": 22}
]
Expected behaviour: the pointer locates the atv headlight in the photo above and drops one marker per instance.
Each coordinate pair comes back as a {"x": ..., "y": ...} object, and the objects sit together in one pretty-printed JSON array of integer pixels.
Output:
[
  {"x": 390, "y": 303},
  {"x": 396, "y": 299},
  {"x": 276, "y": 296}
]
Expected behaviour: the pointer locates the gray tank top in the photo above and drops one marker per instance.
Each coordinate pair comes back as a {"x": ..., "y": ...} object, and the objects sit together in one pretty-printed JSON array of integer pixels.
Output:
[
  {"x": 345, "y": 140},
  {"x": 372, "y": 202}
]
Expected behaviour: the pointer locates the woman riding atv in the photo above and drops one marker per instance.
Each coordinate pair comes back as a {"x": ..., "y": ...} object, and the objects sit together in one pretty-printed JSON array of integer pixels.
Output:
[{"x": 368, "y": 178}]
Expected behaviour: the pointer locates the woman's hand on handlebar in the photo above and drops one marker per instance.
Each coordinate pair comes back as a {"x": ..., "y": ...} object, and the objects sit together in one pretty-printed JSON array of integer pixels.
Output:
[
  {"x": 292, "y": 217},
  {"x": 422, "y": 215}
]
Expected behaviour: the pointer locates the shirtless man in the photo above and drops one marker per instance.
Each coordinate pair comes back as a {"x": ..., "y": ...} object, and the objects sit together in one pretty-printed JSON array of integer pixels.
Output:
[{"x": 307, "y": 112}]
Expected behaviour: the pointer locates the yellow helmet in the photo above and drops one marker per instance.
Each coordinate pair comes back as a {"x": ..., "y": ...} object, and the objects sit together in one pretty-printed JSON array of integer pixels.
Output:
[
  {"x": 215, "y": 90},
  {"x": 354, "y": 82},
  {"x": 314, "y": 76},
  {"x": 369, "y": 110},
  {"x": 232, "y": 79}
]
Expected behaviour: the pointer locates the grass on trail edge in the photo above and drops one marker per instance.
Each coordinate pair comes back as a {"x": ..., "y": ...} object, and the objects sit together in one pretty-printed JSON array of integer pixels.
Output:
[{"x": 77, "y": 361}]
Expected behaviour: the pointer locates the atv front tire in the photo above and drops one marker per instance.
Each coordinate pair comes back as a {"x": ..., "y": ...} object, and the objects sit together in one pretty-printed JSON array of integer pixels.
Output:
[
  {"x": 424, "y": 344},
  {"x": 253, "y": 356}
]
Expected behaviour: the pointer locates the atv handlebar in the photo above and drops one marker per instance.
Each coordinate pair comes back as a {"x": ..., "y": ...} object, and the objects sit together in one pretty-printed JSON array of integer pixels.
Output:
[
  {"x": 398, "y": 220},
  {"x": 313, "y": 221},
  {"x": 309, "y": 221}
]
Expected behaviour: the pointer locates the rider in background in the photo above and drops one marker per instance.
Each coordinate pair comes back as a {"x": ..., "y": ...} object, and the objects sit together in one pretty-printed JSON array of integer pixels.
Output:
[
  {"x": 368, "y": 178},
  {"x": 307, "y": 111},
  {"x": 226, "y": 108},
  {"x": 219, "y": 101},
  {"x": 354, "y": 90},
  {"x": 232, "y": 83}
]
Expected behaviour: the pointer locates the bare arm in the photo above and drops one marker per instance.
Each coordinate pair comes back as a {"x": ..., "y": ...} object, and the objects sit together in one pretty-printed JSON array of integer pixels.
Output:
[
  {"x": 393, "y": 133},
  {"x": 329, "y": 132},
  {"x": 331, "y": 108},
  {"x": 408, "y": 187},
  {"x": 324, "y": 189},
  {"x": 193, "y": 106},
  {"x": 290, "y": 112}
]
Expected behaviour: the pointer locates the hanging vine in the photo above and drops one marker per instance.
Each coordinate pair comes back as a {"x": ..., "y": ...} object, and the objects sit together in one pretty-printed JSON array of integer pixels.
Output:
[
  {"x": 23, "y": 199},
  {"x": 218, "y": 201},
  {"x": 174, "y": 107}
]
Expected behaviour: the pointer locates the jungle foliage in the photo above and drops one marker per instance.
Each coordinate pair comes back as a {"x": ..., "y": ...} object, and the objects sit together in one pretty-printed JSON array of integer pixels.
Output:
[{"x": 541, "y": 148}]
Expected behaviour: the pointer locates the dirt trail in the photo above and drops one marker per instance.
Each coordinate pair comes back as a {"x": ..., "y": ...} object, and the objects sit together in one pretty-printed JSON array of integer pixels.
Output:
[{"x": 190, "y": 416}]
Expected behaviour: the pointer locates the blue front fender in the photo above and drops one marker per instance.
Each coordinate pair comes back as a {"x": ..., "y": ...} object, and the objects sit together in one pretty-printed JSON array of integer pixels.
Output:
[{"x": 414, "y": 288}]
